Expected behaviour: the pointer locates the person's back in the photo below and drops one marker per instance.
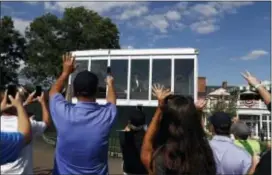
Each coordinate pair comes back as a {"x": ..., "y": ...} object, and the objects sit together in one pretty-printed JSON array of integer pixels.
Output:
[
  {"x": 83, "y": 129},
  {"x": 241, "y": 133},
  {"x": 264, "y": 166},
  {"x": 175, "y": 141},
  {"x": 9, "y": 123},
  {"x": 229, "y": 158},
  {"x": 250, "y": 145},
  {"x": 24, "y": 163},
  {"x": 82, "y": 140},
  {"x": 131, "y": 140}
]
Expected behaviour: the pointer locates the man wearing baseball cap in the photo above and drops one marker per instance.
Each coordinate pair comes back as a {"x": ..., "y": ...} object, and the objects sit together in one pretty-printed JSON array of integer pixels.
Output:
[
  {"x": 241, "y": 133},
  {"x": 230, "y": 159},
  {"x": 83, "y": 128}
]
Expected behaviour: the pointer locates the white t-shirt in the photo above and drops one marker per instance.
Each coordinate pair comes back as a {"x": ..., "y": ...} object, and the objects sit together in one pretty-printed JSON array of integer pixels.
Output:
[{"x": 24, "y": 164}]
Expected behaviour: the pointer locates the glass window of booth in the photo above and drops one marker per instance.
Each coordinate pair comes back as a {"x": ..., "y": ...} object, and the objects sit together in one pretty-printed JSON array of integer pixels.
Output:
[
  {"x": 119, "y": 69},
  {"x": 99, "y": 67},
  {"x": 139, "y": 81},
  {"x": 81, "y": 65},
  {"x": 161, "y": 73},
  {"x": 184, "y": 77}
]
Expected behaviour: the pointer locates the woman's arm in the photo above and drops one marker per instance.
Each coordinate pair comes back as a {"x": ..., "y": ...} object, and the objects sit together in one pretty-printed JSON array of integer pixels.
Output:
[{"x": 147, "y": 148}]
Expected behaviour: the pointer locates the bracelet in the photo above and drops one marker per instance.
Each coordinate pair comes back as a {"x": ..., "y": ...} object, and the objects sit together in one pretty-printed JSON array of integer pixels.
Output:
[{"x": 257, "y": 86}]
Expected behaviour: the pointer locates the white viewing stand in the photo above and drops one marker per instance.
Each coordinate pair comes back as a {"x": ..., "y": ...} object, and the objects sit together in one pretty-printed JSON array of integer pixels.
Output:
[{"x": 135, "y": 70}]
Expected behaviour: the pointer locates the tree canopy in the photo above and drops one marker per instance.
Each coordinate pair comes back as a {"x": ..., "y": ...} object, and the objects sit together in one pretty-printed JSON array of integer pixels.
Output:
[
  {"x": 49, "y": 37},
  {"x": 12, "y": 46},
  {"x": 228, "y": 105}
]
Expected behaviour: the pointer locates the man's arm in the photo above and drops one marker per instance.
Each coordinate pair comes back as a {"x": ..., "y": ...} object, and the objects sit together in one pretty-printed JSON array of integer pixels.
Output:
[
  {"x": 45, "y": 112},
  {"x": 264, "y": 94},
  {"x": 24, "y": 125},
  {"x": 111, "y": 96},
  {"x": 67, "y": 68},
  {"x": 68, "y": 95},
  {"x": 252, "y": 167},
  {"x": 253, "y": 81},
  {"x": 59, "y": 84}
]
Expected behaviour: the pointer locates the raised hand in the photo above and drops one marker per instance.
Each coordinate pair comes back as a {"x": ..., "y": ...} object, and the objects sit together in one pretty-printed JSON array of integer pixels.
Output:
[
  {"x": 68, "y": 65},
  {"x": 253, "y": 81},
  {"x": 200, "y": 104},
  {"x": 4, "y": 102},
  {"x": 109, "y": 80},
  {"x": 30, "y": 99},
  {"x": 41, "y": 98},
  {"x": 16, "y": 102},
  {"x": 160, "y": 92}
]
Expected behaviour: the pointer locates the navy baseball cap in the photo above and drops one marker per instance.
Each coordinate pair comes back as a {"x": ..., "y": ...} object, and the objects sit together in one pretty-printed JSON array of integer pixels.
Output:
[
  {"x": 85, "y": 84},
  {"x": 220, "y": 120}
]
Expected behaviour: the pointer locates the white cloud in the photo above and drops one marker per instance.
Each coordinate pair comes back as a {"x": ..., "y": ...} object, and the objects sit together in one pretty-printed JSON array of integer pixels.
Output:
[
  {"x": 255, "y": 54},
  {"x": 230, "y": 6},
  {"x": 157, "y": 21},
  {"x": 133, "y": 12},
  {"x": 205, "y": 9},
  {"x": 21, "y": 24},
  {"x": 162, "y": 21},
  {"x": 32, "y": 2},
  {"x": 173, "y": 15},
  {"x": 99, "y": 7},
  {"x": 205, "y": 26},
  {"x": 208, "y": 14},
  {"x": 182, "y": 5},
  {"x": 202, "y": 17}
]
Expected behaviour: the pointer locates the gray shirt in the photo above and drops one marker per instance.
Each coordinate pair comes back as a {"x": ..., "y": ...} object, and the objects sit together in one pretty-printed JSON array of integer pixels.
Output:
[{"x": 229, "y": 158}]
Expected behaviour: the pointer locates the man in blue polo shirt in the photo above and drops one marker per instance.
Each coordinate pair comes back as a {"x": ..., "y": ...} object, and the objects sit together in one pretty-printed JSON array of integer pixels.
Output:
[
  {"x": 83, "y": 129},
  {"x": 230, "y": 159}
]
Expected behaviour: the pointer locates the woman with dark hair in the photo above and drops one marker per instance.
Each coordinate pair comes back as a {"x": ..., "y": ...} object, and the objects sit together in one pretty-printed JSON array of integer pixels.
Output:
[{"x": 175, "y": 142}]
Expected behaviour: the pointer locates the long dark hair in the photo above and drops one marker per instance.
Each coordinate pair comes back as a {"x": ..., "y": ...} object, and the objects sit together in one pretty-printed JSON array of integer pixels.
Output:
[{"x": 186, "y": 149}]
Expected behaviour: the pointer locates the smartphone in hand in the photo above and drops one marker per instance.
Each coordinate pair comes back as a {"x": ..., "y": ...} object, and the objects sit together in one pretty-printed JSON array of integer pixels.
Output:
[
  {"x": 108, "y": 70},
  {"x": 38, "y": 91},
  {"x": 12, "y": 90}
]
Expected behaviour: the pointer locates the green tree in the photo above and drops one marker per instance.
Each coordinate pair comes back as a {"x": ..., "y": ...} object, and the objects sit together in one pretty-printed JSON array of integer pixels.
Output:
[
  {"x": 12, "y": 46},
  {"x": 49, "y": 37}
]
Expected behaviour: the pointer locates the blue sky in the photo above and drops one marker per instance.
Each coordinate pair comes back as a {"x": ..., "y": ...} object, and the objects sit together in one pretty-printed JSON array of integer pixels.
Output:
[{"x": 231, "y": 36}]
